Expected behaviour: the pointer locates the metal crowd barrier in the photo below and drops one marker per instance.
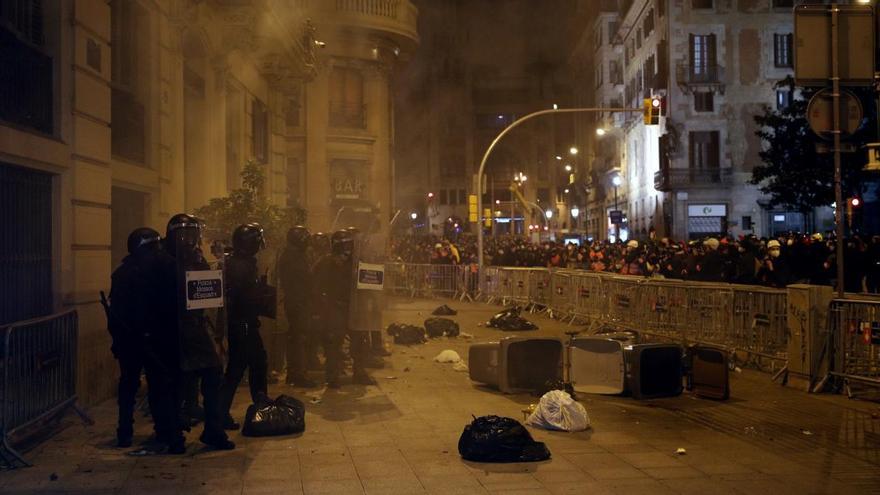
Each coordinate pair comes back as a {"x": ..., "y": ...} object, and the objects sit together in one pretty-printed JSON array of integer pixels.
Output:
[
  {"x": 427, "y": 280},
  {"x": 855, "y": 326},
  {"x": 38, "y": 363}
]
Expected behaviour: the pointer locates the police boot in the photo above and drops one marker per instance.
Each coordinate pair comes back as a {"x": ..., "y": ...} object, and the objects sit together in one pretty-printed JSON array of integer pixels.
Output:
[
  {"x": 123, "y": 438},
  {"x": 230, "y": 424},
  {"x": 219, "y": 443},
  {"x": 360, "y": 377}
]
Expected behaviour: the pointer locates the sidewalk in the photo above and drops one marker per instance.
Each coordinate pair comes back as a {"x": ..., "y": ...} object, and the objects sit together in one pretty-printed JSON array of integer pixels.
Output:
[{"x": 401, "y": 437}]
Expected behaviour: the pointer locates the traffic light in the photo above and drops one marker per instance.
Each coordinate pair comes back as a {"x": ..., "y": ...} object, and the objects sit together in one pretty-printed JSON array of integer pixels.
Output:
[
  {"x": 652, "y": 109},
  {"x": 853, "y": 204}
]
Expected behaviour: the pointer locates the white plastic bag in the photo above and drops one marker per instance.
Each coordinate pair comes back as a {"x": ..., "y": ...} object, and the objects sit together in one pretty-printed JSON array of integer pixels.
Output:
[
  {"x": 558, "y": 411},
  {"x": 447, "y": 356}
]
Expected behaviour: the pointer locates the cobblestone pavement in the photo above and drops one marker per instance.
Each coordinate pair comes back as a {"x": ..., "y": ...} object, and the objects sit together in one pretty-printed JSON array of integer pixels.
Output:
[{"x": 401, "y": 437}]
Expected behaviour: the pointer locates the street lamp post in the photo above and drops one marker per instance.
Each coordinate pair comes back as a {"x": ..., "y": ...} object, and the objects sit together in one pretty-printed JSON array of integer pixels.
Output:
[
  {"x": 509, "y": 128},
  {"x": 616, "y": 181}
]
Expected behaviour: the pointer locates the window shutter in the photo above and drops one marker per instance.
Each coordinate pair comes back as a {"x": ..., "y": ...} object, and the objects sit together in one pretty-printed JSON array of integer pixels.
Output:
[
  {"x": 711, "y": 61},
  {"x": 691, "y": 55},
  {"x": 714, "y": 159}
]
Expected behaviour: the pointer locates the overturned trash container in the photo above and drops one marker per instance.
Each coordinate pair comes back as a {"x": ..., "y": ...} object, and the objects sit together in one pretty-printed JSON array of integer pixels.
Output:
[
  {"x": 499, "y": 439},
  {"x": 611, "y": 366},
  {"x": 516, "y": 364}
]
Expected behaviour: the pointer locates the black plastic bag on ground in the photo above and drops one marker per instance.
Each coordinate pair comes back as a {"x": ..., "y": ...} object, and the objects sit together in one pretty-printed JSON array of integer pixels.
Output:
[
  {"x": 444, "y": 311},
  {"x": 438, "y": 327},
  {"x": 509, "y": 319},
  {"x": 499, "y": 439},
  {"x": 406, "y": 334},
  {"x": 271, "y": 418}
]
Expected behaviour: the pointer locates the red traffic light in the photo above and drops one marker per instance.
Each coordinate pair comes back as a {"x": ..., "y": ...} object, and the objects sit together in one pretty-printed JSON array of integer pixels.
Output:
[
  {"x": 430, "y": 195},
  {"x": 855, "y": 202}
]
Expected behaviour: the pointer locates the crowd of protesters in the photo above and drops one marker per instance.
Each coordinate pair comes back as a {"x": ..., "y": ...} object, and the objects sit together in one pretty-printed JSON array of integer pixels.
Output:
[{"x": 775, "y": 262}]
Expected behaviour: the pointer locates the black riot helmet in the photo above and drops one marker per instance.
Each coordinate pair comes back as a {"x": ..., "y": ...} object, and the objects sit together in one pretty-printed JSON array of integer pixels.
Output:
[
  {"x": 320, "y": 242},
  {"x": 342, "y": 242},
  {"x": 298, "y": 237},
  {"x": 185, "y": 229},
  {"x": 143, "y": 240},
  {"x": 247, "y": 240}
]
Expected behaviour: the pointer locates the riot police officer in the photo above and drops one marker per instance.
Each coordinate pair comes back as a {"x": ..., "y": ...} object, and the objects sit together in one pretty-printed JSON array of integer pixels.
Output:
[
  {"x": 246, "y": 350},
  {"x": 199, "y": 359},
  {"x": 295, "y": 277},
  {"x": 333, "y": 287},
  {"x": 142, "y": 324},
  {"x": 318, "y": 247}
]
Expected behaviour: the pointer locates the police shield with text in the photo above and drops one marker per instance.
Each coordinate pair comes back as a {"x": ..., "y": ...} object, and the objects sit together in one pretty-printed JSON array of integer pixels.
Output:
[
  {"x": 199, "y": 359},
  {"x": 142, "y": 322},
  {"x": 248, "y": 298},
  {"x": 295, "y": 276}
]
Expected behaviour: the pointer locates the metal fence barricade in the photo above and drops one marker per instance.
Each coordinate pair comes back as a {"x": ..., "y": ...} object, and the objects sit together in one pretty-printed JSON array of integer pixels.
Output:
[
  {"x": 539, "y": 289},
  {"x": 490, "y": 284},
  {"x": 855, "y": 325},
  {"x": 759, "y": 321},
  {"x": 38, "y": 366},
  {"x": 561, "y": 299},
  {"x": 588, "y": 296},
  {"x": 515, "y": 285}
]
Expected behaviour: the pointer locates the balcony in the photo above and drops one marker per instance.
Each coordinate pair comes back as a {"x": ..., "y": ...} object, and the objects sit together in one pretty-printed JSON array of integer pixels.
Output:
[
  {"x": 26, "y": 86},
  {"x": 674, "y": 179},
  {"x": 702, "y": 77},
  {"x": 350, "y": 115}
]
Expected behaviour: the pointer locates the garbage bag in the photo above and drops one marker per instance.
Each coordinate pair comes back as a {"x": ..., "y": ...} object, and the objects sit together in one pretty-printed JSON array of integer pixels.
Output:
[
  {"x": 447, "y": 356},
  {"x": 558, "y": 411},
  {"x": 270, "y": 418},
  {"x": 444, "y": 311},
  {"x": 438, "y": 327},
  {"x": 509, "y": 319},
  {"x": 551, "y": 385},
  {"x": 499, "y": 439},
  {"x": 406, "y": 334}
]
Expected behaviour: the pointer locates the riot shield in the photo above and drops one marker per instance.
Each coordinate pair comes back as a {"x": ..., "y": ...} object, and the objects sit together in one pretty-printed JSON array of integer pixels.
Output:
[{"x": 368, "y": 295}]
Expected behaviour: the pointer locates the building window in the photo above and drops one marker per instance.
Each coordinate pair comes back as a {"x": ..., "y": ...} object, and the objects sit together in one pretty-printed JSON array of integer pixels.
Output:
[
  {"x": 778, "y": 4},
  {"x": 347, "y": 98},
  {"x": 25, "y": 18},
  {"x": 462, "y": 197},
  {"x": 702, "y": 57},
  {"x": 612, "y": 29},
  {"x": 128, "y": 96},
  {"x": 704, "y": 101},
  {"x": 661, "y": 8},
  {"x": 260, "y": 131},
  {"x": 444, "y": 197},
  {"x": 648, "y": 23},
  {"x": 702, "y": 4},
  {"x": 704, "y": 150},
  {"x": 783, "y": 99},
  {"x": 782, "y": 50},
  {"x": 291, "y": 112},
  {"x": 598, "y": 75},
  {"x": 747, "y": 223},
  {"x": 26, "y": 244},
  {"x": 638, "y": 38},
  {"x": 293, "y": 171}
]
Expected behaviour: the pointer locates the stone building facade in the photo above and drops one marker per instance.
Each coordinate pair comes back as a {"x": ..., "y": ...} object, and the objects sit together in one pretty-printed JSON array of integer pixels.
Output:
[
  {"x": 118, "y": 114},
  {"x": 715, "y": 64}
]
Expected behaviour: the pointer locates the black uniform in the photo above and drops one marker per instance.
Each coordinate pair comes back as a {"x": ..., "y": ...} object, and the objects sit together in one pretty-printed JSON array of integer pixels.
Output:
[
  {"x": 197, "y": 344},
  {"x": 142, "y": 323},
  {"x": 246, "y": 350},
  {"x": 332, "y": 288},
  {"x": 295, "y": 276}
]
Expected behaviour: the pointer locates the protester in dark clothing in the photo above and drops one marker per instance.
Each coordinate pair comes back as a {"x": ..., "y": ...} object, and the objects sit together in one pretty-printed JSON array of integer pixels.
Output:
[
  {"x": 243, "y": 305},
  {"x": 775, "y": 271},
  {"x": 747, "y": 264},
  {"x": 855, "y": 265},
  {"x": 197, "y": 346},
  {"x": 142, "y": 323},
  {"x": 296, "y": 279}
]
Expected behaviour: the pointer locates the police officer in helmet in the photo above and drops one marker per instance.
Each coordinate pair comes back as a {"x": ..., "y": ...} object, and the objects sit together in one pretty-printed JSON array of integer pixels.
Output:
[
  {"x": 199, "y": 359},
  {"x": 142, "y": 323},
  {"x": 246, "y": 350},
  {"x": 295, "y": 276},
  {"x": 333, "y": 286}
]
